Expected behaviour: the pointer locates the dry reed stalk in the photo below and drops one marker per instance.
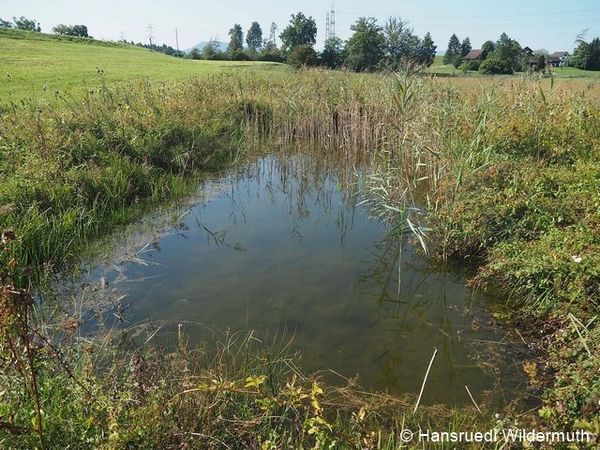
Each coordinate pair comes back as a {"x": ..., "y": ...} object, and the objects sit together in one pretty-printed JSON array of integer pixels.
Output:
[{"x": 435, "y": 350}]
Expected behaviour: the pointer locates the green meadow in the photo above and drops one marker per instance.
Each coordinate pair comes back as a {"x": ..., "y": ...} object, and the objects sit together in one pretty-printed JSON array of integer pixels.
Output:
[{"x": 37, "y": 65}]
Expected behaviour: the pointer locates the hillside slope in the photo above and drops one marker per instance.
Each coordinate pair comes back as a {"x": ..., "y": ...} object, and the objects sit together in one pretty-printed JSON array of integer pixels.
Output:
[{"x": 38, "y": 65}]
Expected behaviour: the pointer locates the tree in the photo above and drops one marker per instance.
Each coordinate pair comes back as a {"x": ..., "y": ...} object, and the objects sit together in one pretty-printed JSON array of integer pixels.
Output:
[
  {"x": 541, "y": 59},
  {"x": 365, "y": 48},
  {"x": 487, "y": 48},
  {"x": 453, "y": 51},
  {"x": 272, "y": 43},
  {"x": 195, "y": 54},
  {"x": 71, "y": 30},
  {"x": 509, "y": 51},
  {"x": 236, "y": 39},
  {"x": 211, "y": 50},
  {"x": 465, "y": 46},
  {"x": 426, "y": 53},
  {"x": 301, "y": 30},
  {"x": 506, "y": 58},
  {"x": 333, "y": 53},
  {"x": 303, "y": 55},
  {"x": 401, "y": 44},
  {"x": 254, "y": 37},
  {"x": 587, "y": 55},
  {"x": 5, "y": 23},
  {"x": 23, "y": 23}
]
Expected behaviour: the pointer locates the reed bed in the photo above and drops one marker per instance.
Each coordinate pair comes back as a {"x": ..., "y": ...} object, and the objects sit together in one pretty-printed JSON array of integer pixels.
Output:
[
  {"x": 74, "y": 168},
  {"x": 504, "y": 178}
]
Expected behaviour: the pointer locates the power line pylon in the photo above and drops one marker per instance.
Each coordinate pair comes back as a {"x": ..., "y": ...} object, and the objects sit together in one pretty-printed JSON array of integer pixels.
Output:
[
  {"x": 150, "y": 35},
  {"x": 332, "y": 22}
]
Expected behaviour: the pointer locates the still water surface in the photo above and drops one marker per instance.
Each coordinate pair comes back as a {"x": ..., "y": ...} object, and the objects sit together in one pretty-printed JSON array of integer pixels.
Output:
[{"x": 283, "y": 244}]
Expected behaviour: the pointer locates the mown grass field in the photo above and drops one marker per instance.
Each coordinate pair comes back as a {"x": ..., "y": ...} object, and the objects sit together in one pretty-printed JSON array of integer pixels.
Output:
[{"x": 37, "y": 65}]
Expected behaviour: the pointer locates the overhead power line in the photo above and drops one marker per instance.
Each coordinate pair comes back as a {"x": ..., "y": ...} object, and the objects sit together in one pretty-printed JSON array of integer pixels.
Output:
[{"x": 490, "y": 15}]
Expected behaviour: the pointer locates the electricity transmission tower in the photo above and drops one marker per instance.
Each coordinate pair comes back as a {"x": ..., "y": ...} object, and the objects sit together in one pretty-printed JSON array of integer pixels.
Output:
[
  {"x": 273, "y": 34},
  {"x": 330, "y": 23},
  {"x": 150, "y": 35}
]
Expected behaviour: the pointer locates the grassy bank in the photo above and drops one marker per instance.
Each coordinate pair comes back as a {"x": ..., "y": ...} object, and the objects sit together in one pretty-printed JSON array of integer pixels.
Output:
[
  {"x": 37, "y": 65},
  {"x": 507, "y": 176},
  {"x": 96, "y": 162}
]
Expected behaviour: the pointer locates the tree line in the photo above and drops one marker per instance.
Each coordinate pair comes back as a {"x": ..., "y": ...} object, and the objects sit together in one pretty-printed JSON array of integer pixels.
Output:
[
  {"x": 506, "y": 56},
  {"x": 587, "y": 55},
  {"x": 25, "y": 24},
  {"x": 21, "y": 23},
  {"x": 371, "y": 47}
]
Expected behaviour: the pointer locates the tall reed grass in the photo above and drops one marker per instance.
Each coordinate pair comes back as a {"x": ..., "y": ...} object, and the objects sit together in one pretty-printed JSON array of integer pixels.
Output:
[{"x": 506, "y": 177}]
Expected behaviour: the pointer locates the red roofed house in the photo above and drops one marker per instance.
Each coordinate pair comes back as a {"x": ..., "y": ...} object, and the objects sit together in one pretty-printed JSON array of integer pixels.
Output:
[{"x": 473, "y": 55}]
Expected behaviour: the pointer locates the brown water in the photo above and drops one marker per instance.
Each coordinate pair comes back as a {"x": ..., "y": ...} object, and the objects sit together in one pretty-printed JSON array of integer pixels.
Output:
[{"x": 280, "y": 245}]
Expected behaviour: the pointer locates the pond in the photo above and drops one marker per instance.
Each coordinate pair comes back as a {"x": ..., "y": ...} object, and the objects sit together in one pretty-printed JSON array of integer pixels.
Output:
[{"x": 284, "y": 244}]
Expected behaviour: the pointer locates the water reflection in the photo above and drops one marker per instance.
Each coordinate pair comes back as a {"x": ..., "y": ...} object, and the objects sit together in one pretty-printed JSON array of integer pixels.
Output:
[{"x": 285, "y": 244}]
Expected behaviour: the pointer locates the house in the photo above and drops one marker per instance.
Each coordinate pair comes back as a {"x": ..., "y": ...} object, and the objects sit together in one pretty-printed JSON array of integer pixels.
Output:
[
  {"x": 473, "y": 55},
  {"x": 559, "y": 59}
]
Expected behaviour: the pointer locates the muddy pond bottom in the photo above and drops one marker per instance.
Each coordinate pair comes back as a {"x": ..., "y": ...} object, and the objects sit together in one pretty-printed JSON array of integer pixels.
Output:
[{"x": 284, "y": 245}]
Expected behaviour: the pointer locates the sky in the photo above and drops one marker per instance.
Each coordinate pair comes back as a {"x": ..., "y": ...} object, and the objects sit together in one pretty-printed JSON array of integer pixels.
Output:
[{"x": 549, "y": 24}]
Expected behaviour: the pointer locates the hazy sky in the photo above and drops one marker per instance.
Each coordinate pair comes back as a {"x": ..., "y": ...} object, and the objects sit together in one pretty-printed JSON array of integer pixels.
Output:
[{"x": 549, "y": 24}]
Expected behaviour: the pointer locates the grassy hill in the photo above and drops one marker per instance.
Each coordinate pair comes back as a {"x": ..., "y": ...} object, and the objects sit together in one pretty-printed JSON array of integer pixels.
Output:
[{"x": 38, "y": 65}]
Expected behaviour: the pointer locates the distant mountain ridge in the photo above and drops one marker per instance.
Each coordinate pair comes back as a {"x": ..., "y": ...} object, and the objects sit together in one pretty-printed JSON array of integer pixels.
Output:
[{"x": 222, "y": 46}]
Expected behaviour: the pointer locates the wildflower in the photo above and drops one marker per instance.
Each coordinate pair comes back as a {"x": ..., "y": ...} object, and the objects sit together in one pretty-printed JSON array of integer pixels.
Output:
[{"x": 576, "y": 258}]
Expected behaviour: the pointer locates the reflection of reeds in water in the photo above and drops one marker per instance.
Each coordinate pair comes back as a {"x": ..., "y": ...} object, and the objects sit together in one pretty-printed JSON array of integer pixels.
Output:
[
  {"x": 305, "y": 179},
  {"x": 447, "y": 318}
]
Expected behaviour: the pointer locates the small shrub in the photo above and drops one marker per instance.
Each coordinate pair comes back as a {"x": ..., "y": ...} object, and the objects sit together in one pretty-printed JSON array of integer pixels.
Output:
[
  {"x": 240, "y": 55},
  {"x": 303, "y": 56},
  {"x": 493, "y": 66}
]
